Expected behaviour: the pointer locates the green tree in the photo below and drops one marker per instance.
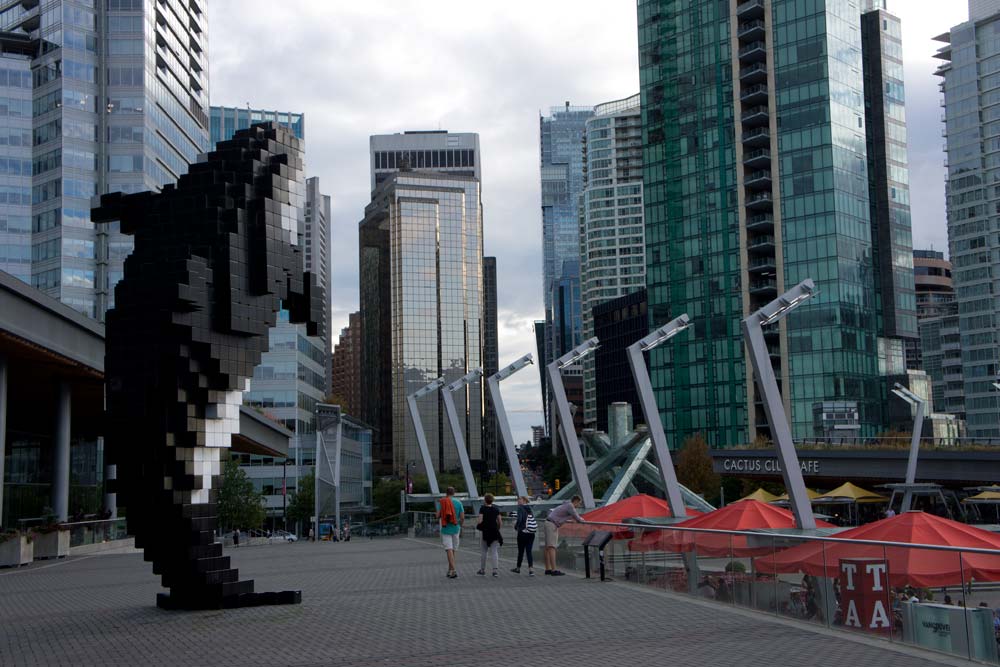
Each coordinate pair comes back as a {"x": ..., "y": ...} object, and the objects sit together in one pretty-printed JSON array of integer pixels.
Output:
[
  {"x": 302, "y": 503},
  {"x": 385, "y": 496},
  {"x": 694, "y": 467},
  {"x": 240, "y": 505}
]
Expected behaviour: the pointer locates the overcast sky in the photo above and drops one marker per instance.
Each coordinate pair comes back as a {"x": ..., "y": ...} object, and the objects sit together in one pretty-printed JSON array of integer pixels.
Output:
[{"x": 357, "y": 69}]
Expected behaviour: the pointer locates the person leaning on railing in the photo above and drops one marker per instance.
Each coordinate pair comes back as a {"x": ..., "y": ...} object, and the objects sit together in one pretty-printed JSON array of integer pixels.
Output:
[{"x": 555, "y": 519}]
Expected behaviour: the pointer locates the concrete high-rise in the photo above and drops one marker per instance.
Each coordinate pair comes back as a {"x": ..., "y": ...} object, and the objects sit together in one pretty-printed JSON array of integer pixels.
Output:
[
  {"x": 612, "y": 234},
  {"x": 971, "y": 96},
  {"x": 940, "y": 351},
  {"x": 105, "y": 98},
  {"x": 740, "y": 208},
  {"x": 561, "y": 139},
  {"x": 421, "y": 266},
  {"x": 345, "y": 367}
]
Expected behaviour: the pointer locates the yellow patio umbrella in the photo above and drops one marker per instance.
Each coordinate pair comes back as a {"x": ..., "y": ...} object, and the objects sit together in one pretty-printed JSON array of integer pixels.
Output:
[
  {"x": 761, "y": 495},
  {"x": 850, "y": 493},
  {"x": 986, "y": 497},
  {"x": 813, "y": 495}
]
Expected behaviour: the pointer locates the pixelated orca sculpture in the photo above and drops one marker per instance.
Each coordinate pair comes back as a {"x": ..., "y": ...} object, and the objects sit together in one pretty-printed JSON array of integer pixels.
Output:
[{"x": 215, "y": 259}]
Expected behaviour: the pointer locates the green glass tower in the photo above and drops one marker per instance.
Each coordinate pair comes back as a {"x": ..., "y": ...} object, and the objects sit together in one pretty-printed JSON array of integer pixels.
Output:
[{"x": 756, "y": 172}]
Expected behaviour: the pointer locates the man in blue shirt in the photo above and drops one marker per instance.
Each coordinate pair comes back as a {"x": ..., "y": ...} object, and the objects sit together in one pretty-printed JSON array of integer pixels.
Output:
[{"x": 450, "y": 513}]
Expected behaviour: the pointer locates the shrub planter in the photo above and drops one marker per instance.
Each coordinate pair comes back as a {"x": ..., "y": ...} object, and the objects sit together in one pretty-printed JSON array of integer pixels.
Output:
[
  {"x": 54, "y": 544},
  {"x": 16, "y": 551}
]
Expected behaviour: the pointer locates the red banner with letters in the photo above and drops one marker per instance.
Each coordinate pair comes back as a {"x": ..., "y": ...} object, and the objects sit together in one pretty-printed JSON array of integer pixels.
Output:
[{"x": 865, "y": 596}]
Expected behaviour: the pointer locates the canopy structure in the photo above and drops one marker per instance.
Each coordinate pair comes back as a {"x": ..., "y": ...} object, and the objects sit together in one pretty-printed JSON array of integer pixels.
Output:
[
  {"x": 639, "y": 505},
  {"x": 984, "y": 498},
  {"x": 783, "y": 498},
  {"x": 907, "y": 566},
  {"x": 742, "y": 515},
  {"x": 850, "y": 493},
  {"x": 761, "y": 495}
]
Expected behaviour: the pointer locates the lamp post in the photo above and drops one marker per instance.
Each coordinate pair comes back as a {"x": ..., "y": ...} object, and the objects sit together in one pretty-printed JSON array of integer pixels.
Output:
[
  {"x": 918, "y": 422},
  {"x": 640, "y": 375},
  {"x": 781, "y": 433},
  {"x": 570, "y": 440}
]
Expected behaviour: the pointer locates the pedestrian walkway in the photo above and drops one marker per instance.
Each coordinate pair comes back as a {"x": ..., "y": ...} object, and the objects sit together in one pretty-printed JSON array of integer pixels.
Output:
[{"x": 387, "y": 602}]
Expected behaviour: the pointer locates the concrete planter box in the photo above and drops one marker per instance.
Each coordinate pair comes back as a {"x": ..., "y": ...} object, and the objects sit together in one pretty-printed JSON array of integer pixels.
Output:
[
  {"x": 16, "y": 552},
  {"x": 51, "y": 545}
]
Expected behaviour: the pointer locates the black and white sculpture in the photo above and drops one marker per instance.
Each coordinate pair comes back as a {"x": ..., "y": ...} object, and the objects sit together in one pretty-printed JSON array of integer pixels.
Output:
[{"x": 215, "y": 259}]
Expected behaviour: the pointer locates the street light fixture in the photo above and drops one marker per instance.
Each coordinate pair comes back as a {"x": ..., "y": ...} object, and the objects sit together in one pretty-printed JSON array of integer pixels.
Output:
[
  {"x": 918, "y": 422},
  {"x": 418, "y": 426},
  {"x": 456, "y": 431},
  {"x": 641, "y": 377},
  {"x": 781, "y": 433},
  {"x": 570, "y": 440},
  {"x": 493, "y": 383}
]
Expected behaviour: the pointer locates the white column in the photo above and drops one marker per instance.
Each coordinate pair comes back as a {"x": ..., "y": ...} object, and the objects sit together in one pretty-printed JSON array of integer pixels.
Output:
[{"x": 60, "y": 468}]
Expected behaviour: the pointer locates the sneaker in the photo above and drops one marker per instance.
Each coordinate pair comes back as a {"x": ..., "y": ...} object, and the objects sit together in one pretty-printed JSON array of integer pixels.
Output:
[
  {"x": 481, "y": 573},
  {"x": 495, "y": 573},
  {"x": 558, "y": 573},
  {"x": 548, "y": 572},
  {"x": 453, "y": 575},
  {"x": 531, "y": 572},
  {"x": 515, "y": 570}
]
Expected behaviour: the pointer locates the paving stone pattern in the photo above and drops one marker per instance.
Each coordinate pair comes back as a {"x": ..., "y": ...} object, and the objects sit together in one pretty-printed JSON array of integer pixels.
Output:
[{"x": 387, "y": 602}]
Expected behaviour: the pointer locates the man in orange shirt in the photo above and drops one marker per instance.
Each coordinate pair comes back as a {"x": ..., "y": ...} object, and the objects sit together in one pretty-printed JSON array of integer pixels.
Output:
[{"x": 450, "y": 513}]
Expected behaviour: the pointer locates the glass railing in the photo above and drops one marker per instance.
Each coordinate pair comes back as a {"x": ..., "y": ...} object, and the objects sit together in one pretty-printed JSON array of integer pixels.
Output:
[
  {"x": 936, "y": 598},
  {"x": 95, "y": 532}
]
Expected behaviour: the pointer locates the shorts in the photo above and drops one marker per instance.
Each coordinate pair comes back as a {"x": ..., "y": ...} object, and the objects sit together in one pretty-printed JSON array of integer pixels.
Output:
[
  {"x": 551, "y": 533},
  {"x": 450, "y": 541}
]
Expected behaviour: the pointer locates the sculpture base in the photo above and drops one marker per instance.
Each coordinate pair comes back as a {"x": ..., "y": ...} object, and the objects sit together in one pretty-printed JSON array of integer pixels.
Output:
[{"x": 192, "y": 603}]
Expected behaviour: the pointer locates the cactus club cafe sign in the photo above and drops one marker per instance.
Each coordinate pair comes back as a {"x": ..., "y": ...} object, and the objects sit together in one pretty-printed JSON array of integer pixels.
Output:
[{"x": 753, "y": 465}]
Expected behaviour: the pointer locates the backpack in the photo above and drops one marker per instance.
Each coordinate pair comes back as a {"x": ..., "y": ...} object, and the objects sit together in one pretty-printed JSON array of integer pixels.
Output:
[
  {"x": 530, "y": 525},
  {"x": 448, "y": 516}
]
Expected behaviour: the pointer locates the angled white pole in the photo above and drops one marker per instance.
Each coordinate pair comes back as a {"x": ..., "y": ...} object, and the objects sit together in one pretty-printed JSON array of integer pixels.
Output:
[
  {"x": 456, "y": 431},
  {"x": 493, "y": 383},
  {"x": 568, "y": 432},
  {"x": 418, "y": 426},
  {"x": 918, "y": 423},
  {"x": 640, "y": 375},
  {"x": 753, "y": 334}
]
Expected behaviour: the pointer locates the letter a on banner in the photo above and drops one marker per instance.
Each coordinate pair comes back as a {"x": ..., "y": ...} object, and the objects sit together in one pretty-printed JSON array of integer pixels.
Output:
[
  {"x": 879, "y": 618},
  {"x": 852, "y": 619}
]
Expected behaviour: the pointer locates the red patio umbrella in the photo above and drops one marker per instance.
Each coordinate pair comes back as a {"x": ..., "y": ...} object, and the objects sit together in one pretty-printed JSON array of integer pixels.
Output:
[
  {"x": 906, "y": 565},
  {"x": 741, "y": 515},
  {"x": 640, "y": 505}
]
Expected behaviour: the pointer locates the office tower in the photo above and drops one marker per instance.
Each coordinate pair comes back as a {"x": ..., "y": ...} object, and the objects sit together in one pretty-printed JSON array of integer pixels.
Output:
[
  {"x": 90, "y": 113},
  {"x": 612, "y": 236},
  {"x": 421, "y": 265},
  {"x": 224, "y": 121},
  {"x": 971, "y": 91},
  {"x": 316, "y": 253},
  {"x": 491, "y": 363},
  {"x": 940, "y": 352},
  {"x": 561, "y": 138},
  {"x": 537, "y": 433},
  {"x": 345, "y": 375},
  {"x": 740, "y": 208},
  {"x": 455, "y": 153},
  {"x": 617, "y": 323}
]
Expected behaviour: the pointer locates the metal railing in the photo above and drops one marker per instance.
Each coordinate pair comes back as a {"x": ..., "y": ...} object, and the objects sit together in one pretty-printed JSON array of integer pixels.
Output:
[{"x": 95, "y": 532}]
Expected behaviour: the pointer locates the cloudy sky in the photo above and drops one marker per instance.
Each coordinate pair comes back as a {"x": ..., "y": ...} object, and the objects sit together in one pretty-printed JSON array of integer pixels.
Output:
[{"x": 357, "y": 69}]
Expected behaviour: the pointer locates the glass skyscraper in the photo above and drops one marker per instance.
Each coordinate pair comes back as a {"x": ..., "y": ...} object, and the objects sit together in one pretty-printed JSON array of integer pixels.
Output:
[
  {"x": 561, "y": 138},
  {"x": 225, "y": 121},
  {"x": 612, "y": 236},
  {"x": 971, "y": 86},
  {"x": 740, "y": 208},
  {"x": 96, "y": 98},
  {"x": 422, "y": 313}
]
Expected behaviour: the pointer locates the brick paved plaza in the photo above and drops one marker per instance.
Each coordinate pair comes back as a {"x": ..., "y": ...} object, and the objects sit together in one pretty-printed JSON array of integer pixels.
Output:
[{"x": 387, "y": 602}]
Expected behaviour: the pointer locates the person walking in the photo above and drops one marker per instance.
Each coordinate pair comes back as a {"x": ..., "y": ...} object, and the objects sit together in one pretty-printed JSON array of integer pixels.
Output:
[
  {"x": 489, "y": 524},
  {"x": 236, "y": 537},
  {"x": 450, "y": 513},
  {"x": 555, "y": 519},
  {"x": 525, "y": 529}
]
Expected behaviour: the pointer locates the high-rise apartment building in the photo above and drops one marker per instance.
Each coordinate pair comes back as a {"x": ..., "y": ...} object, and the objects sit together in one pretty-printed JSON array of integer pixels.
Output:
[
  {"x": 491, "y": 364},
  {"x": 561, "y": 139},
  {"x": 740, "y": 208},
  {"x": 316, "y": 255},
  {"x": 421, "y": 277},
  {"x": 939, "y": 352},
  {"x": 100, "y": 98},
  {"x": 971, "y": 90},
  {"x": 345, "y": 366},
  {"x": 612, "y": 235}
]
